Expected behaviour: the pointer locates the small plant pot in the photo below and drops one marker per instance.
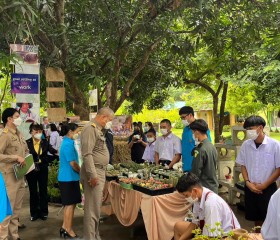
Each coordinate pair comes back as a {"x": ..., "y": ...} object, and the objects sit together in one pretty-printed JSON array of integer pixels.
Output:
[{"x": 240, "y": 234}]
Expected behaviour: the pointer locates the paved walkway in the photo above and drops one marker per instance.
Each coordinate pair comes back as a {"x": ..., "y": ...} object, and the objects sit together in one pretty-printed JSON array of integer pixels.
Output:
[{"x": 110, "y": 228}]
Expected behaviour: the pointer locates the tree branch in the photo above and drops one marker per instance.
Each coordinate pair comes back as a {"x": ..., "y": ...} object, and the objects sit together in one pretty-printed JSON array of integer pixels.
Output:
[{"x": 136, "y": 72}]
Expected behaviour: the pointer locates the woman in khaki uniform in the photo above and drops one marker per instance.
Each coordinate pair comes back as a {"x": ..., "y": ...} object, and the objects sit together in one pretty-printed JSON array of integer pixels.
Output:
[{"x": 13, "y": 149}]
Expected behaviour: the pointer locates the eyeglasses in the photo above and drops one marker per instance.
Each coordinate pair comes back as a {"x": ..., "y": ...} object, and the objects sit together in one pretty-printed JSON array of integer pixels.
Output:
[{"x": 184, "y": 117}]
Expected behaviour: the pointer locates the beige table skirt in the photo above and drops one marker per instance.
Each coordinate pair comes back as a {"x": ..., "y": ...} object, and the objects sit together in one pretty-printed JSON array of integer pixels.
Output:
[{"x": 160, "y": 213}]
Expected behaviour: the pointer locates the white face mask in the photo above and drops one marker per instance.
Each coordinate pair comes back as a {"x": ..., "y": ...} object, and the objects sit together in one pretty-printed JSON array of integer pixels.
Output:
[
  {"x": 17, "y": 121},
  {"x": 163, "y": 131},
  {"x": 252, "y": 134},
  {"x": 38, "y": 136},
  {"x": 1, "y": 130},
  {"x": 108, "y": 125},
  {"x": 150, "y": 140},
  {"x": 146, "y": 129},
  {"x": 191, "y": 200},
  {"x": 75, "y": 136},
  {"x": 196, "y": 142},
  {"x": 185, "y": 122}
]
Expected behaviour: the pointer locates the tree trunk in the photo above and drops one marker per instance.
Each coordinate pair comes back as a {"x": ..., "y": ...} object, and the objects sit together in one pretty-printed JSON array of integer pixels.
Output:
[
  {"x": 222, "y": 108},
  {"x": 216, "y": 118},
  {"x": 80, "y": 102}
]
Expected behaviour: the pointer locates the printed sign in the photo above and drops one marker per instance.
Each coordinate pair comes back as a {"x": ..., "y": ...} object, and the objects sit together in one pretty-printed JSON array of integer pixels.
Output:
[
  {"x": 25, "y": 83},
  {"x": 93, "y": 98},
  {"x": 26, "y": 53},
  {"x": 122, "y": 125}
]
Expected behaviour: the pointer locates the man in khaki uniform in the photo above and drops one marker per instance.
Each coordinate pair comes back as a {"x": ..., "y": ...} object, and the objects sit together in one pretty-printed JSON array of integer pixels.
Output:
[
  {"x": 13, "y": 149},
  {"x": 95, "y": 160}
]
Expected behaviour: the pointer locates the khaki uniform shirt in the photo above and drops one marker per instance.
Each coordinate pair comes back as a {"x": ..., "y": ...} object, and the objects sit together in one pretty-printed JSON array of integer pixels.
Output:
[
  {"x": 12, "y": 145},
  {"x": 94, "y": 150}
]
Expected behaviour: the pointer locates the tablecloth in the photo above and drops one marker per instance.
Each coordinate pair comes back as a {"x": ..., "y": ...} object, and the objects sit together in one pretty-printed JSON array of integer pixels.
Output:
[{"x": 160, "y": 213}]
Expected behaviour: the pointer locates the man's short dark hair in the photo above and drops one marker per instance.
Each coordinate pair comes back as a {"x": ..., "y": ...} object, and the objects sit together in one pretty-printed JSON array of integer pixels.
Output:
[
  {"x": 254, "y": 121},
  {"x": 8, "y": 112},
  {"x": 187, "y": 182},
  {"x": 199, "y": 125},
  {"x": 36, "y": 127},
  {"x": 152, "y": 130},
  {"x": 166, "y": 121},
  {"x": 186, "y": 110}
]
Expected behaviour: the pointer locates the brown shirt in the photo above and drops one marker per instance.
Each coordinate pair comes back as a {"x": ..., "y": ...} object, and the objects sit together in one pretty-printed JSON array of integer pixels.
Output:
[
  {"x": 94, "y": 150},
  {"x": 12, "y": 145}
]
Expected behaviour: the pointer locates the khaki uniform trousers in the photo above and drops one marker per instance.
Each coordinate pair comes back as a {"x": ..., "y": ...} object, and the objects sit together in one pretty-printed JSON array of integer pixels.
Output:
[
  {"x": 92, "y": 206},
  {"x": 15, "y": 190}
]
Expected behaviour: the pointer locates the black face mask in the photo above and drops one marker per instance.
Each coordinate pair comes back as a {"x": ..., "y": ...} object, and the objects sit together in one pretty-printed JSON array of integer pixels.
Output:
[{"x": 136, "y": 132}]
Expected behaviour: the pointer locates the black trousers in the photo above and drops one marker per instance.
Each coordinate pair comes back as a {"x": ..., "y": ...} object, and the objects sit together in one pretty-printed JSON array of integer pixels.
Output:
[{"x": 38, "y": 180}]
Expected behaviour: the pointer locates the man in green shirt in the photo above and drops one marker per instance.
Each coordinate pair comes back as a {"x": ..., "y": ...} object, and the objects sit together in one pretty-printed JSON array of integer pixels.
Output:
[{"x": 204, "y": 156}]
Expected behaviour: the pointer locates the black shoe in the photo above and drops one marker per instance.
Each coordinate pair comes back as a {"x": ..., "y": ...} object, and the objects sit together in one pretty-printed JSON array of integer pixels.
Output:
[
  {"x": 33, "y": 219},
  {"x": 61, "y": 232},
  {"x": 67, "y": 235},
  {"x": 44, "y": 218}
]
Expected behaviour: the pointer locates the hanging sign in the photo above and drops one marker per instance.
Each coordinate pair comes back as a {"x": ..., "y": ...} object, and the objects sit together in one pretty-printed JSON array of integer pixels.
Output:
[{"x": 25, "y": 83}]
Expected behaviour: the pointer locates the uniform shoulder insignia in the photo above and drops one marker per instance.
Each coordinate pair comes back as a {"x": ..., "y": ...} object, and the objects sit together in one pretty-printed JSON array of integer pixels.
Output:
[
  {"x": 94, "y": 125},
  {"x": 6, "y": 130}
]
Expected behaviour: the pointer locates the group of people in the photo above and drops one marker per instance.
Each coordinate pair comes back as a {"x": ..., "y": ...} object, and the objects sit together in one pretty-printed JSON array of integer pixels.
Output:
[
  {"x": 95, "y": 153},
  {"x": 259, "y": 157}
]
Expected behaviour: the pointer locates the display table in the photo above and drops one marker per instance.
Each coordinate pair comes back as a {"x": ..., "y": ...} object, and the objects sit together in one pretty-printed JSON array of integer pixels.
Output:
[{"x": 160, "y": 213}]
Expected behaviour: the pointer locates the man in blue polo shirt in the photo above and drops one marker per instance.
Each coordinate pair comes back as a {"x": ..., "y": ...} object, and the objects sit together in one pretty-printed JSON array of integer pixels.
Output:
[{"x": 188, "y": 142}]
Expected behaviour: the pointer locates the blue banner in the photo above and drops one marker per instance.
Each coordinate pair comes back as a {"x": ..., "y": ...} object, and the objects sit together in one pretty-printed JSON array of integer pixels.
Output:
[{"x": 25, "y": 83}]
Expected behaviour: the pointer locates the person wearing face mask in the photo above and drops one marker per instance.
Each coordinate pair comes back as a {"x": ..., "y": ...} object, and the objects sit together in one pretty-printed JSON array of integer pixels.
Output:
[
  {"x": 13, "y": 149},
  {"x": 204, "y": 156},
  {"x": 168, "y": 146},
  {"x": 259, "y": 158},
  {"x": 137, "y": 142},
  {"x": 54, "y": 139},
  {"x": 208, "y": 208},
  {"x": 69, "y": 178},
  {"x": 38, "y": 178},
  {"x": 149, "y": 126},
  {"x": 96, "y": 157},
  {"x": 149, "y": 153},
  {"x": 188, "y": 143}
]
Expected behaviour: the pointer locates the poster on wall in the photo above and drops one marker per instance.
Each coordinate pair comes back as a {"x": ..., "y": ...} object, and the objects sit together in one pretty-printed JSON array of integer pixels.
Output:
[
  {"x": 27, "y": 54},
  {"x": 122, "y": 125}
]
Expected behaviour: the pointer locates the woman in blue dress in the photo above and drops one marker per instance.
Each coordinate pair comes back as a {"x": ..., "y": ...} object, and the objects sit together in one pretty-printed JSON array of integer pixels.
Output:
[
  {"x": 69, "y": 177},
  {"x": 6, "y": 209}
]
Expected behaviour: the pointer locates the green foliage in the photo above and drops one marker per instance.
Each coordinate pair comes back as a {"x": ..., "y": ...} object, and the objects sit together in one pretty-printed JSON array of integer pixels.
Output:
[
  {"x": 243, "y": 100},
  {"x": 156, "y": 116},
  {"x": 53, "y": 190}
]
